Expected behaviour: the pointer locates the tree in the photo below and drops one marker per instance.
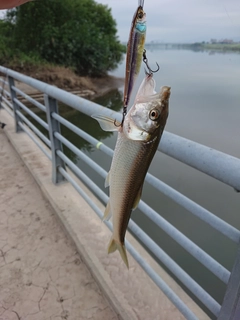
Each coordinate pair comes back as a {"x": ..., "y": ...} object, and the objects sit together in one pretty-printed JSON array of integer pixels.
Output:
[
  {"x": 75, "y": 33},
  {"x": 6, "y": 30}
]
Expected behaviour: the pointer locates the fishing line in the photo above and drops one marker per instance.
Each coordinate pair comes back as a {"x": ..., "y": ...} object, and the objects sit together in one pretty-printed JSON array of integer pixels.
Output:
[
  {"x": 225, "y": 9},
  {"x": 141, "y": 3}
]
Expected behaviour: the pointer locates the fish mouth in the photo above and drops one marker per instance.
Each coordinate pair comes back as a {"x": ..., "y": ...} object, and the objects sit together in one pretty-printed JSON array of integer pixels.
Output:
[{"x": 146, "y": 92}]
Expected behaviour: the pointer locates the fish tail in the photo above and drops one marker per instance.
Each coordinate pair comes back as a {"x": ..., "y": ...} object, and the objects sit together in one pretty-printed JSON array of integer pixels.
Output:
[{"x": 114, "y": 245}]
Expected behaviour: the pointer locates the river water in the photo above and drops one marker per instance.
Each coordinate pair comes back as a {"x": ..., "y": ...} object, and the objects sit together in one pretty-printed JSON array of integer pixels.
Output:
[{"x": 204, "y": 107}]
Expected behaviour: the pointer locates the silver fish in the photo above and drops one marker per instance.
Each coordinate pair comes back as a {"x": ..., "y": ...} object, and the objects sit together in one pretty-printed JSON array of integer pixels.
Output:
[{"x": 136, "y": 145}]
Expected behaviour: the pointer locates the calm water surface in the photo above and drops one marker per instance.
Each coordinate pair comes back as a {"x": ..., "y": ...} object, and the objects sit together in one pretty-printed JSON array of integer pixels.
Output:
[{"x": 204, "y": 107}]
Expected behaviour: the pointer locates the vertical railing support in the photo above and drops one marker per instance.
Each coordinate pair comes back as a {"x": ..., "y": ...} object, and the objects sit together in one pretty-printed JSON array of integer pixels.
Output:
[
  {"x": 231, "y": 303},
  {"x": 1, "y": 94},
  {"x": 54, "y": 126},
  {"x": 15, "y": 105}
]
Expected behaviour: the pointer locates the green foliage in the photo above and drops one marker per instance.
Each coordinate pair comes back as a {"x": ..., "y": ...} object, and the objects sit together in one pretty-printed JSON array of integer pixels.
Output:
[
  {"x": 5, "y": 40},
  {"x": 76, "y": 33}
]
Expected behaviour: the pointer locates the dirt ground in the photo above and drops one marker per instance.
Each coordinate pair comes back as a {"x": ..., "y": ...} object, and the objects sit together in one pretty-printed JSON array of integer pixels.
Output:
[{"x": 66, "y": 79}]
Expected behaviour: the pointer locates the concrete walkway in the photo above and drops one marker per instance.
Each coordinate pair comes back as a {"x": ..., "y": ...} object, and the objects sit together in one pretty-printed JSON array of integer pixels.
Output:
[{"x": 42, "y": 276}]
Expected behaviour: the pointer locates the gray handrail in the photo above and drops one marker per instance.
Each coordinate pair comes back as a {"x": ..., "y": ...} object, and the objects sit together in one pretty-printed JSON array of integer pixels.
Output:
[{"x": 217, "y": 164}]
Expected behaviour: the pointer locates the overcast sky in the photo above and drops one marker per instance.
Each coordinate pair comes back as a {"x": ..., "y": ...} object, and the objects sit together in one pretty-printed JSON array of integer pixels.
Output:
[{"x": 180, "y": 20}]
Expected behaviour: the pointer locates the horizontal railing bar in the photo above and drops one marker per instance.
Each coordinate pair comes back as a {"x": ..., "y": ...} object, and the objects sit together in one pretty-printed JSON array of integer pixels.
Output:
[
  {"x": 7, "y": 102},
  {"x": 216, "y": 268},
  {"x": 7, "y": 93},
  {"x": 34, "y": 129},
  {"x": 8, "y": 111},
  {"x": 199, "y": 292},
  {"x": 216, "y": 164},
  {"x": 96, "y": 143},
  {"x": 30, "y": 99},
  {"x": 222, "y": 273},
  {"x": 82, "y": 176},
  {"x": 5, "y": 82},
  {"x": 191, "y": 284},
  {"x": 202, "y": 213},
  {"x": 32, "y": 114},
  {"x": 35, "y": 140},
  {"x": 185, "y": 202},
  {"x": 152, "y": 274},
  {"x": 173, "y": 267},
  {"x": 81, "y": 155},
  {"x": 172, "y": 296}
]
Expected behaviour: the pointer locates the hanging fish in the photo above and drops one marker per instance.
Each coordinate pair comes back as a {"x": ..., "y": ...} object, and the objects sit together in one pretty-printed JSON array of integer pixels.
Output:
[
  {"x": 135, "y": 49},
  {"x": 137, "y": 142}
]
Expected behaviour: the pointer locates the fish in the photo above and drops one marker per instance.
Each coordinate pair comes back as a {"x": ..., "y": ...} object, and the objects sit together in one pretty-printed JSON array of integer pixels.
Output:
[
  {"x": 136, "y": 145},
  {"x": 135, "y": 50}
]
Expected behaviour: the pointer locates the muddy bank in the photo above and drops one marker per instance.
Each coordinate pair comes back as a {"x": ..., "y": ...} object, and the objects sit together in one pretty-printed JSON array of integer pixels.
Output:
[{"x": 66, "y": 79}]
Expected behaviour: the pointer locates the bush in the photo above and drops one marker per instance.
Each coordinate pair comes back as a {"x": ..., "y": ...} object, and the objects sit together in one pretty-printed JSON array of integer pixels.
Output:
[{"x": 73, "y": 33}]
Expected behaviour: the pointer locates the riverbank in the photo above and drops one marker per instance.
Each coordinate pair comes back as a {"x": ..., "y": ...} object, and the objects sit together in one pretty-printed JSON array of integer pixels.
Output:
[{"x": 66, "y": 79}]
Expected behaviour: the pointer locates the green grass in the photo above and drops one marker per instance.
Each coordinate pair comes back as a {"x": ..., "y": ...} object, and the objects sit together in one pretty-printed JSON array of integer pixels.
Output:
[
  {"x": 215, "y": 46},
  {"x": 221, "y": 46}
]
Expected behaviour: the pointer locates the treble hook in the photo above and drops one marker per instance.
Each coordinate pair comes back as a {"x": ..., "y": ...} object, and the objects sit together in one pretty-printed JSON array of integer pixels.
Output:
[{"x": 145, "y": 60}]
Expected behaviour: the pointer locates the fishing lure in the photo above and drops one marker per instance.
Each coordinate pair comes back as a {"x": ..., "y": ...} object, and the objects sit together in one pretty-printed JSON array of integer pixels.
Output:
[
  {"x": 135, "y": 54},
  {"x": 135, "y": 49}
]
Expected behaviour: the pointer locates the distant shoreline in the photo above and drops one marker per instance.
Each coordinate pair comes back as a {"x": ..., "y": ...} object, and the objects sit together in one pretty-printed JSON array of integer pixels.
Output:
[{"x": 199, "y": 46}]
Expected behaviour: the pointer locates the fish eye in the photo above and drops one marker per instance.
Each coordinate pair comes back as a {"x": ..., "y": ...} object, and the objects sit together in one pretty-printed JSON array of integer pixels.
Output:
[
  {"x": 140, "y": 15},
  {"x": 154, "y": 114}
]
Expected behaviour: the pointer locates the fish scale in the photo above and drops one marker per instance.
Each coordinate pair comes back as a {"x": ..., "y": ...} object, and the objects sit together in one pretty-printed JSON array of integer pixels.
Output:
[{"x": 135, "y": 168}]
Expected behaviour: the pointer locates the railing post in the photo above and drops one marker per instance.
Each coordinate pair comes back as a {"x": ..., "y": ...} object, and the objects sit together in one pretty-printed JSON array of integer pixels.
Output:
[
  {"x": 15, "y": 105},
  {"x": 54, "y": 126},
  {"x": 230, "y": 309},
  {"x": 1, "y": 94}
]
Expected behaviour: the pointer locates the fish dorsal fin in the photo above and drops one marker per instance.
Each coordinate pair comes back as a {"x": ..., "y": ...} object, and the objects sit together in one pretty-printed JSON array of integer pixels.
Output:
[
  {"x": 107, "y": 180},
  {"x": 137, "y": 199},
  {"x": 106, "y": 123},
  {"x": 107, "y": 212}
]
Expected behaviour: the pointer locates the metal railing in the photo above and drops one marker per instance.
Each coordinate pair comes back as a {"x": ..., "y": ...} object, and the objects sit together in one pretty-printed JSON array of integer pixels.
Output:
[{"x": 221, "y": 166}]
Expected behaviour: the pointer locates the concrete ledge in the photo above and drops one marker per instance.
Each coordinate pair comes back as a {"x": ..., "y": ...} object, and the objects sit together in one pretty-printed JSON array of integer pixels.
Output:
[{"x": 131, "y": 293}]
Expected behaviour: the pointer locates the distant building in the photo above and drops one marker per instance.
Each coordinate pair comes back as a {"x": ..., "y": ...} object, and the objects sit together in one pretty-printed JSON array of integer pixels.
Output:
[
  {"x": 213, "y": 41},
  {"x": 226, "y": 41},
  {"x": 222, "y": 41}
]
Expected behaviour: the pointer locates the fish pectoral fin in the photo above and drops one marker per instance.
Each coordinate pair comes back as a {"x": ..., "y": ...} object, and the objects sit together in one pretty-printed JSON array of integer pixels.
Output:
[
  {"x": 107, "y": 213},
  {"x": 106, "y": 123},
  {"x": 107, "y": 180},
  {"x": 137, "y": 199},
  {"x": 114, "y": 245}
]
